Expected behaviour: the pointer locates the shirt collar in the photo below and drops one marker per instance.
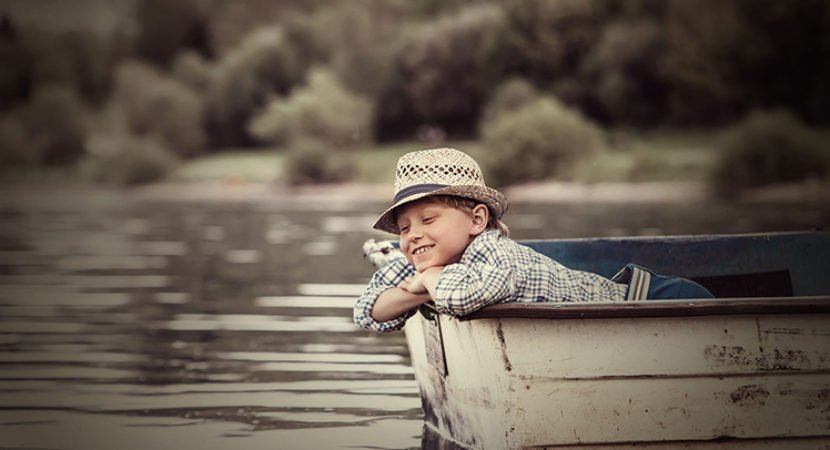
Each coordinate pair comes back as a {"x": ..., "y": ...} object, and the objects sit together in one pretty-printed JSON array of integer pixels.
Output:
[
  {"x": 481, "y": 239},
  {"x": 489, "y": 235}
]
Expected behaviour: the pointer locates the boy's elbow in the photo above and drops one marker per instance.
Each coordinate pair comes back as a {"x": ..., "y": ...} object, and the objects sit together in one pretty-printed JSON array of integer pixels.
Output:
[
  {"x": 361, "y": 317},
  {"x": 360, "y": 321},
  {"x": 366, "y": 322},
  {"x": 465, "y": 303},
  {"x": 460, "y": 308}
]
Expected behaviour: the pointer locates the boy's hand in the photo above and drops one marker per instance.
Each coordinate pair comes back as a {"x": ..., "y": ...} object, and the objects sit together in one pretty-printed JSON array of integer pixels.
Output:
[
  {"x": 414, "y": 284},
  {"x": 423, "y": 282}
]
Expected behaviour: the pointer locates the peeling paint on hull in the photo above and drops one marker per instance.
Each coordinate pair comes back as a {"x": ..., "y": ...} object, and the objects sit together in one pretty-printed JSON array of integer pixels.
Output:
[{"x": 685, "y": 381}]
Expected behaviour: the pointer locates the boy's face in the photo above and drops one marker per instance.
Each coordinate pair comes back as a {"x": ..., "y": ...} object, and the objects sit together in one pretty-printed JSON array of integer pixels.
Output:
[{"x": 435, "y": 235}]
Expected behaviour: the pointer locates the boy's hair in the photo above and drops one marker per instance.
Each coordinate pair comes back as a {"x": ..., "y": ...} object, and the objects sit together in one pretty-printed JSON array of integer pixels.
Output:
[{"x": 467, "y": 204}]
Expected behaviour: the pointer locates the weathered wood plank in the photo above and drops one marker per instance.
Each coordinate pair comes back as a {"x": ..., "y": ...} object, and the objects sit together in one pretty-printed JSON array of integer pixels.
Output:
[
  {"x": 656, "y": 308},
  {"x": 659, "y": 347},
  {"x": 782, "y": 443},
  {"x": 519, "y": 382},
  {"x": 557, "y": 412}
]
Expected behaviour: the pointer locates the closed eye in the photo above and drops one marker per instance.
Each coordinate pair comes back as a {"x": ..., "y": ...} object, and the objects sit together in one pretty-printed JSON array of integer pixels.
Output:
[{"x": 428, "y": 219}]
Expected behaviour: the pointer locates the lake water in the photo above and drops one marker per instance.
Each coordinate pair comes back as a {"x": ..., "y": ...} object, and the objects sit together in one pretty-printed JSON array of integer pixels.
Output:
[{"x": 131, "y": 324}]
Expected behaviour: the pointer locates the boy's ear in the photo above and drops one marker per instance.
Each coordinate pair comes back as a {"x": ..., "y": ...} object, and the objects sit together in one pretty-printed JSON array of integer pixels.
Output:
[{"x": 480, "y": 216}]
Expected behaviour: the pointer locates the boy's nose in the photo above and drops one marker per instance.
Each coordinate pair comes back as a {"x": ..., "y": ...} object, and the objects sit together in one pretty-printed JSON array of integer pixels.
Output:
[{"x": 415, "y": 233}]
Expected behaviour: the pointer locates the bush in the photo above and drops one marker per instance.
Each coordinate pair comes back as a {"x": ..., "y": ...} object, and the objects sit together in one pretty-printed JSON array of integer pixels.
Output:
[
  {"x": 54, "y": 126},
  {"x": 262, "y": 66},
  {"x": 232, "y": 22},
  {"x": 33, "y": 59},
  {"x": 167, "y": 26},
  {"x": 191, "y": 69},
  {"x": 16, "y": 76},
  {"x": 509, "y": 97},
  {"x": 155, "y": 105},
  {"x": 767, "y": 148},
  {"x": 710, "y": 70},
  {"x": 132, "y": 80},
  {"x": 538, "y": 141},
  {"x": 13, "y": 147},
  {"x": 125, "y": 160},
  {"x": 546, "y": 40},
  {"x": 440, "y": 74},
  {"x": 624, "y": 77},
  {"x": 719, "y": 77},
  {"x": 354, "y": 38},
  {"x": 323, "y": 110},
  {"x": 311, "y": 162},
  {"x": 178, "y": 117}
]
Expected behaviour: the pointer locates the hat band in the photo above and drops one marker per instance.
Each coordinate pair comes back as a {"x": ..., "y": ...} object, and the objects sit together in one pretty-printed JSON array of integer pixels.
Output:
[{"x": 416, "y": 189}]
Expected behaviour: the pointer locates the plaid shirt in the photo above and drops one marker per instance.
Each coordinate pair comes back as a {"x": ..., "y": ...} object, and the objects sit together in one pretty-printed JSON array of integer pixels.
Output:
[{"x": 493, "y": 269}]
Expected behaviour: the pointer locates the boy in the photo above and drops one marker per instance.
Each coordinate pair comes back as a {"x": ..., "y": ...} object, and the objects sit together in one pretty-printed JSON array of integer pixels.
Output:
[{"x": 457, "y": 252}]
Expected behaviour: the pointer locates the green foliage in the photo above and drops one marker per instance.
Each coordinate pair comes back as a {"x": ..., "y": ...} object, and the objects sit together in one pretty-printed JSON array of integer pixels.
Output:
[
  {"x": 728, "y": 57},
  {"x": 16, "y": 77},
  {"x": 156, "y": 105},
  {"x": 427, "y": 64},
  {"x": 88, "y": 64},
  {"x": 191, "y": 69},
  {"x": 767, "y": 148},
  {"x": 634, "y": 9},
  {"x": 54, "y": 126},
  {"x": 433, "y": 8},
  {"x": 440, "y": 74},
  {"x": 708, "y": 56},
  {"x": 538, "y": 141},
  {"x": 13, "y": 147},
  {"x": 167, "y": 26},
  {"x": 312, "y": 162},
  {"x": 323, "y": 110},
  {"x": 262, "y": 66},
  {"x": 311, "y": 36},
  {"x": 355, "y": 39},
  {"x": 32, "y": 59},
  {"x": 231, "y": 21},
  {"x": 509, "y": 97},
  {"x": 125, "y": 160},
  {"x": 623, "y": 76},
  {"x": 545, "y": 40}
]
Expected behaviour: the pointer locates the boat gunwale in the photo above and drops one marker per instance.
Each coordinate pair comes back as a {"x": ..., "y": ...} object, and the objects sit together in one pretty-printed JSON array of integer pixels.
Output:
[{"x": 655, "y": 308}]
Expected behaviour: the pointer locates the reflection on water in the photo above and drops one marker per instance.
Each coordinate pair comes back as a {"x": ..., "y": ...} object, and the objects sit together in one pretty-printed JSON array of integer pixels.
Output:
[
  {"x": 127, "y": 325},
  {"x": 130, "y": 324}
]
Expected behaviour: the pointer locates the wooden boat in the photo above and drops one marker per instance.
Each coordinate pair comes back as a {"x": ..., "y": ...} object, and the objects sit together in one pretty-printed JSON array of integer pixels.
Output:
[{"x": 748, "y": 370}]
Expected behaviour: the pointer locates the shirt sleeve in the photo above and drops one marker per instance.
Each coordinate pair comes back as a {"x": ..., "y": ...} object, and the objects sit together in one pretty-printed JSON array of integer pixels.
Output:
[
  {"x": 485, "y": 278},
  {"x": 388, "y": 277}
]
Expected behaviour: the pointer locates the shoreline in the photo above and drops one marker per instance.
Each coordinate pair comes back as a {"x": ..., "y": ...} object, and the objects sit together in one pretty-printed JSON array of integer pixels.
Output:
[
  {"x": 540, "y": 192},
  {"x": 234, "y": 190}
]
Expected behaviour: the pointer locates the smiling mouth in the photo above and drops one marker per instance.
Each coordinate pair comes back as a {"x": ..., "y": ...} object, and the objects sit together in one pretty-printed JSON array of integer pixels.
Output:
[{"x": 421, "y": 250}]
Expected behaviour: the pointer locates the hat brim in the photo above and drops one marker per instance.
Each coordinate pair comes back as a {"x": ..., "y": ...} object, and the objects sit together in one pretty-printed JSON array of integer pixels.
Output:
[{"x": 494, "y": 200}]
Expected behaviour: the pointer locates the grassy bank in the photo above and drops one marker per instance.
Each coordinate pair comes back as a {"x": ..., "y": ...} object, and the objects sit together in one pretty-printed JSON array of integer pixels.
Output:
[
  {"x": 657, "y": 156},
  {"x": 635, "y": 157}
]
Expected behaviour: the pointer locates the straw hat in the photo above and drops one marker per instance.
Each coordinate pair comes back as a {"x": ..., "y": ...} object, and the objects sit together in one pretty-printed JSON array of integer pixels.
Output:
[{"x": 440, "y": 171}]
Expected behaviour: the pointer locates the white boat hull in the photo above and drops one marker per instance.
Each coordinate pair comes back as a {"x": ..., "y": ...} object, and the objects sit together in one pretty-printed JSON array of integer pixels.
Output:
[{"x": 736, "y": 380}]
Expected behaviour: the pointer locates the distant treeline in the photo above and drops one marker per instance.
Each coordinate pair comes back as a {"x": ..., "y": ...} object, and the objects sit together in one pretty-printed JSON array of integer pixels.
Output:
[
  {"x": 203, "y": 74},
  {"x": 621, "y": 62}
]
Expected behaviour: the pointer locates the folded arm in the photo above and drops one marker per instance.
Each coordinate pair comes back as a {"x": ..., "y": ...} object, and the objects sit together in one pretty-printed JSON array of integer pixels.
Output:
[
  {"x": 396, "y": 301},
  {"x": 384, "y": 306},
  {"x": 463, "y": 289}
]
